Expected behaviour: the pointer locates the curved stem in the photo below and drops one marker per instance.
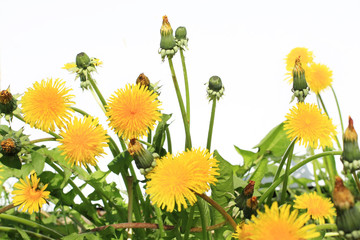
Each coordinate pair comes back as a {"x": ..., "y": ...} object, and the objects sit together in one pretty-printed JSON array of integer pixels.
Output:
[
  {"x": 31, "y": 224},
  {"x": 327, "y": 226},
  {"x": 287, "y": 174},
  {"x": 338, "y": 107},
  {"x": 220, "y": 209},
  {"x": 98, "y": 93},
  {"x": 37, "y": 235},
  {"x": 211, "y": 125},
  {"x": 82, "y": 112},
  {"x": 42, "y": 140},
  {"x": 187, "y": 92},
  {"x": 292, "y": 170},
  {"x": 181, "y": 104},
  {"x": 8, "y": 207}
]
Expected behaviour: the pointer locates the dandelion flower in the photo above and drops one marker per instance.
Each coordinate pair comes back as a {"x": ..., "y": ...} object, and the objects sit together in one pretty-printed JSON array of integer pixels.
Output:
[
  {"x": 69, "y": 66},
  {"x": 47, "y": 104},
  {"x": 317, "y": 207},
  {"x": 244, "y": 231},
  {"x": 312, "y": 127},
  {"x": 176, "y": 179},
  {"x": 133, "y": 110},
  {"x": 319, "y": 77},
  {"x": 30, "y": 196},
  {"x": 279, "y": 224},
  {"x": 82, "y": 141},
  {"x": 306, "y": 58}
]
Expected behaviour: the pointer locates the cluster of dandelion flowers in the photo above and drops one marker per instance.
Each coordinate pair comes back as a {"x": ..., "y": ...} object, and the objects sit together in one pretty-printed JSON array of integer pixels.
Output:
[
  {"x": 318, "y": 208},
  {"x": 29, "y": 194},
  {"x": 312, "y": 127},
  {"x": 82, "y": 141},
  {"x": 176, "y": 179},
  {"x": 278, "y": 224},
  {"x": 133, "y": 110},
  {"x": 47, "y": 104},
  {"x": 319, "y": 77},
  {"x": 306, "y": 58}
]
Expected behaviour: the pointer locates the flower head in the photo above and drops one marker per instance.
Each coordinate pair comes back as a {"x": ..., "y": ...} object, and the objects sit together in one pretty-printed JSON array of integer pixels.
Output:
[
  {"x": 319, "y": 77},
  {"x": 30, "y": 196},
  {"x": 133, "y": 110},
  {"x": 47, "y": 104},
  {"x": 243, "y": 231},
  {"x": 82, "y": 141},
  {"x": 306, "y": 58},
  {"x": 313, "y": 128},
  {"x": 317, "y": 207},
  {"x": 278, "y": 224},
  {"x": 176, "y": 179}
]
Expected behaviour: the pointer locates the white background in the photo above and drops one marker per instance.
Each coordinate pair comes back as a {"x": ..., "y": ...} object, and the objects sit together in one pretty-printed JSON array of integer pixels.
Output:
[{"x": 243, "y": 42}]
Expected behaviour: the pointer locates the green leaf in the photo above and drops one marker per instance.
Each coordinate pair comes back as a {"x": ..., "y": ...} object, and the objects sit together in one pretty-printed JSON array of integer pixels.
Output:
[
  {"x": 159, "y": 137},
  {"x": 74, "y": 236},
  {"x": 23, "y": 233},
  {"x": 54, "y": 180},
  {"x": 38, "y": 162},
  {"x": 220, "y": 191},
  {"x": 259, "y": 173},
  {"x": 120, "y": 162},
  {"x": 99, "y": 176},
  {"x": 274, "y": 143},
  {"x": 12, "y": 161},
  {"x": 249, "y": 158}
]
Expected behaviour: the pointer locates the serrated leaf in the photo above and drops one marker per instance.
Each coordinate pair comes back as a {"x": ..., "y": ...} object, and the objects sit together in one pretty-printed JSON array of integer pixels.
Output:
[
  {"x": 38, "y": 162},
  {"x": 259, "y": 173},
  {"x": 120, "y": 162},
  {"x": 53, "y": 180}
]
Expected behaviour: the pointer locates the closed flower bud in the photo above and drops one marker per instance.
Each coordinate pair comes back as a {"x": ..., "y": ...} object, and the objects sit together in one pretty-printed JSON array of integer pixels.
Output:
[
  {"x": 250, "y": 207},
  {"x": 144, "y": 159},
  {"x": 143, "y": 80},
  {"x": 8, "y": 103},
  {"x": 300, "y": 86},
  {"x": 342, "y": 197},
  {"x": 245, "y": 195},
  {"x": 9, "y": 147},
  {"x": 351, "y": 153},
  {"x": 82, "y": 60},
  {"x": 13, "y": 146},
  {"x": 180, "y": 33},
  {"x": 215, "y": 89}
]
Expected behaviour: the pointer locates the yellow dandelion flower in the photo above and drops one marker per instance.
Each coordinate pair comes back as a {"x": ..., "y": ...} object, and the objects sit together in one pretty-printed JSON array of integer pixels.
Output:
[
  {"x": 317, "y": 207},
  {"x": 133, "y": 110},
  {"x": 312, "y": 127},
  {"x": 319, "y": 77},
  {"x": 96, "y": 62},
  {"x": 82, "y": 141},
  {"x": 243, "y": 231},
  {"x": 306, "y": 58},
  {"x": 175, "y": 179},
  {"x": 69, "y": 66},
  {"x": 47, "y": 104},
  {"x": 30, "y": 196},
  {"x": 279, "y": 224}
]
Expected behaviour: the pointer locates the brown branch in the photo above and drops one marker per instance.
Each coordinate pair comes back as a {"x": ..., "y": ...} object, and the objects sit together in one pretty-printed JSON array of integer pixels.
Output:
[
  {"x": 8, "y": 207},
  {"x": 154, "y": 226}
]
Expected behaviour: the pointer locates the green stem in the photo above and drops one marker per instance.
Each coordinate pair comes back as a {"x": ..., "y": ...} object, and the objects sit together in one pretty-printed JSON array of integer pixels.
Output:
[
  {"x": 323, "y": 106},
  {"x": 37, "y": 235},
  {"x": 292, "y": 170},
  {"x": 203, "y": 220},
  {"x": 338, "y": 107},
  {"x": 49, "y": 132},
  {"x": 131, "y": 198},
  {"x": 76, "y": 189},
  {"x": 6, "y": 208},
  {"x": 318, "y": 189},
  {"x": 219, "y": 208},
  {"x": 327, "y": 226},
  {"x": 80, "y": 111},
  {"x": 282, "y": 162},
  {"x": 187, "y": 92},
  {"x": 31, "y": 224},
  {"x": 98, "y": 93},
  {"x": 160, "y": 221},
  {"x": 189, "y": 223},
  {"x": 168, "y": 139},
  {"x": 356, "y": 180},
  {"x": 181, "y": 104},
  {"x": 42, "y": 140},
  {"x": 211, "y": 125},
  {"x": 287, "y": 174}
]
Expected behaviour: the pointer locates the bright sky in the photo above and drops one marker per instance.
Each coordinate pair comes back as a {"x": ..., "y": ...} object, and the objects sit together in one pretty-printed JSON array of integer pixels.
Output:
[{"x": 243, "y": 42}]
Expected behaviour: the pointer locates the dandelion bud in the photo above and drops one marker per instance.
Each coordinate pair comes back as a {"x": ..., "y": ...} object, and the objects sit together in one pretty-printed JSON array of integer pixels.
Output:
[
  {"x": 9, "y": 146},
  {"x": 245, "y": 195},
  {"x": 300, "y": 87},
  {"x": 167, "y": 43},
  {"x": 144, "y": 159},
  {"x": 180, "y": 33},
  {"x": 82, "y": 60},
  {"x": 143, "y": 80},
  {"x": 351, "y": 153},
  {"x": 7, "y": 102},
  {"x": 342, "y": 197},
  {"x": 250, "y": 207},
  {"x": 215, "y": 88},
  {"x": 13, "y": 146}
]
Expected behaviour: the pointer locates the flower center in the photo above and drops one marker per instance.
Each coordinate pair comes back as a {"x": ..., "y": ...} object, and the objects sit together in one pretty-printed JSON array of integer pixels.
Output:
[
  {"x": 34, "y": 193},
  {"x": 8, "y": 145}
]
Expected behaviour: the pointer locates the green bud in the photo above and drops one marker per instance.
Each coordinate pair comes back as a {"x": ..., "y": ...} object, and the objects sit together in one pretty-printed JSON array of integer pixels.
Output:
[
  {"x": 351, "y": 152},
  {"x": 82, "y": 60},
  {"x": 180, "y": 33},
  {"x": 215, "y": 83},
  {"x": 143, "y": 158},
  {"x": 8, "y": 103},
  {"x": 167, "y": 39}
]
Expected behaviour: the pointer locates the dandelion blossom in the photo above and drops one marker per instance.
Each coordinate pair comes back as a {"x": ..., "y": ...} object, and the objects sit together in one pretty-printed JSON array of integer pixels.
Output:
[
  {"x": 175, "y": 179},
  {"x": 306, "y": 58},
  {"x": 317, "y": 207},
  {"x": 244, "y": 231},
  {"x": 82, "y": 141},
  {"x": 319, "y": 77},
  {"x": 279, "y": 224},
  {"x": 30, "y": 196},
  {"x": 47, "y": 104},
  {"x": 133, "y": 110},
  {"x": 312, "y": 127}
]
